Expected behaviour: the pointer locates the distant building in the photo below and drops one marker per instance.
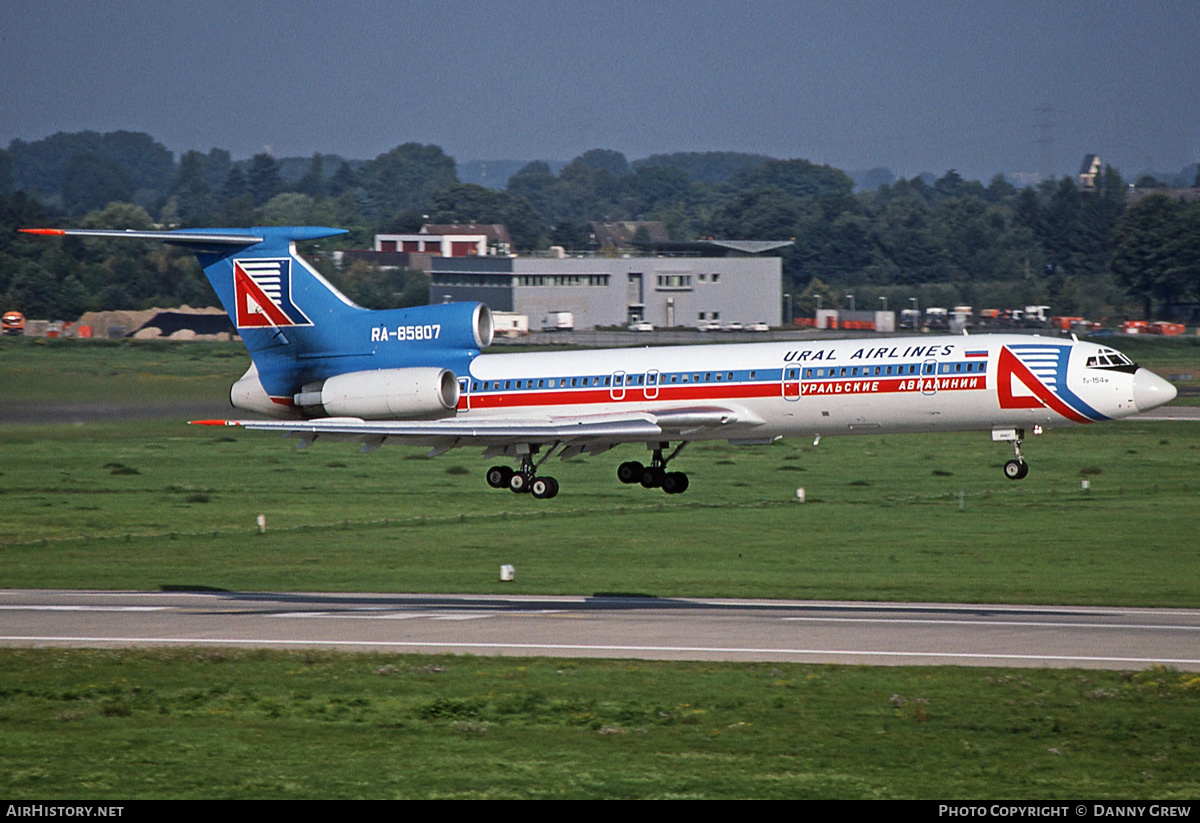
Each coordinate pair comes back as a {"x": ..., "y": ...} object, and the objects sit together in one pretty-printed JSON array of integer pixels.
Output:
[
  {"x": 1088, "y": 171},
  {"x": 415, "y": 251},
  {"x": 456, "y": 240},
  {"x": 734, "y": 282}
]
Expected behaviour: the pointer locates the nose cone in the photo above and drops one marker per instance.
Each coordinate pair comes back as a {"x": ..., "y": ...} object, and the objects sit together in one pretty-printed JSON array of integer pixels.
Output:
[{"x": 1150, "y": 391}]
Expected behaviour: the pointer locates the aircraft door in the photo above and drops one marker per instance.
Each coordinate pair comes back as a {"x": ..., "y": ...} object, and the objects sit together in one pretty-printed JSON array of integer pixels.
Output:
[
  {"x": 617, "y": 390},
  {"x": 464, "y": 393},
  {"x": 791, "y": 383},
  {"x": 650, "y": 390},
  {"x": 929, "y": 378}
]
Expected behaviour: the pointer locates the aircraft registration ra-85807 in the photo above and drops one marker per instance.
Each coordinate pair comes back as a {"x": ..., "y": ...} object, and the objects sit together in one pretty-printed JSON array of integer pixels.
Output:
[{"x": 326, "y": 368}]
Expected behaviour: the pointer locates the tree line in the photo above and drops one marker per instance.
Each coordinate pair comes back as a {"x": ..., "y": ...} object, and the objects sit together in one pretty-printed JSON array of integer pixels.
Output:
[{"x": 944, "y": 240}]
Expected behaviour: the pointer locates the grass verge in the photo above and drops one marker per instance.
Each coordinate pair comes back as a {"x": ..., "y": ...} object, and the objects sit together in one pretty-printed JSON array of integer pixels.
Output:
[{"x": 199, "y": 723}]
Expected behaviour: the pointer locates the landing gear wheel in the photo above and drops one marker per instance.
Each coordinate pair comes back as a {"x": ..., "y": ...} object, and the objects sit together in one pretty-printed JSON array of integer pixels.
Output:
[
  {"x": 1016, "y": 469},
  {"x": 652, "y": 477},
  {"x": 519, "y": 482},
  {"x": 543, "y": 488},
  {"x": 498, "y": 477},
  {"x": 675, "y": 483},
  {"x": 630, "y": 472}
]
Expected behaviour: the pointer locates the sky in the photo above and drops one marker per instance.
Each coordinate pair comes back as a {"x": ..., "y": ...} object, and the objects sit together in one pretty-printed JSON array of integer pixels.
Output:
[{"x": 979, "y": 86}]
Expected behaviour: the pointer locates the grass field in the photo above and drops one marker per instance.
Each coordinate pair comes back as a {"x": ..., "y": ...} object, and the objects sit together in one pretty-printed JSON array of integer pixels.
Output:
[
  {"x": 154, "y": 503},
  {"x": 147, "y": 504},
  {"x": 198, "y": 723}
]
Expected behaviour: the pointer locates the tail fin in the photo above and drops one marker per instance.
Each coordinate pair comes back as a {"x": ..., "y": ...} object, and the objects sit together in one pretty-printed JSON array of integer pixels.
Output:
[
  {"x": 296, "y": 325},
  {"x": 255, "y": 273}
]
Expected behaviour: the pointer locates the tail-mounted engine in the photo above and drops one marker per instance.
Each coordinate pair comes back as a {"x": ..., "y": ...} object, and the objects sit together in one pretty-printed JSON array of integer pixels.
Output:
[{"x": 386, "y": 394}]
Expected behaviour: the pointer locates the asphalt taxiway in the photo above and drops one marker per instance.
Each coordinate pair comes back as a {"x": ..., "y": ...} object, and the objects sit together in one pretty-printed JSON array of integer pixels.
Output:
[{"x": 614, "y": 627}]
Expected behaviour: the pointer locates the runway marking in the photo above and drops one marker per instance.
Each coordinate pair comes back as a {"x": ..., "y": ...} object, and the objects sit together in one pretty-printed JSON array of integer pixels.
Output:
[
  {"x": 1034, "y": 623},
  {"x": 370, "y": 614},
  {"x": 383, "y": 616},
  {"x": 12, "y": 608},
  {"x": 536, "y": 647}
]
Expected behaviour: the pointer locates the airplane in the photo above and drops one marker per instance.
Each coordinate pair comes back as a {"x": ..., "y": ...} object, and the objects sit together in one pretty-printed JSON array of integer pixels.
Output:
[{"x": 324, "y": 367}]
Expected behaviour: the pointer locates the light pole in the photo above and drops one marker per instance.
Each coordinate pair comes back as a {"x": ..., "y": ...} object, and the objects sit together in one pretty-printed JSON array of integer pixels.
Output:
[
  {"x": 883, "y": 300},
  {"x": 850, "y": 297},
  {"x": 916, "y": 314}
]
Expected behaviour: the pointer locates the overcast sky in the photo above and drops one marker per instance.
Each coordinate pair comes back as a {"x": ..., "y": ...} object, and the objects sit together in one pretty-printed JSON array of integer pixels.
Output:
[{"x": 978, "y": 86}]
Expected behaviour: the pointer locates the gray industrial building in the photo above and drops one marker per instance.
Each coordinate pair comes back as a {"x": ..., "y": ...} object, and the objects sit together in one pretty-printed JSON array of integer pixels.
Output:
[{"x": 735, "y": 281}]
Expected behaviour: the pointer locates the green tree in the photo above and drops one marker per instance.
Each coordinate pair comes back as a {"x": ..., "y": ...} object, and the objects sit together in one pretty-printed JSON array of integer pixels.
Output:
[
  {"x": 288, "y": 209},
  {"x": 33, "y": 291},
  {"x": 909, "y": 244},
  {"x": 799, "y": 178},
  {"x": 193, "y": 197},
  {"x": 233, "y": 186},
  {"x": 90, "y": 181},
  {"x": 705, "y": 167},
  {"x": 469, "y": 203},
  {"x": 405, "y": 177},
  {"x": 262, "y": 178},
  {"x": 313, "y": 182},
  {"x": 1157, "y": 253},
  {"x": 607, "y": 160},
  {"x": 654, "y": 187}
]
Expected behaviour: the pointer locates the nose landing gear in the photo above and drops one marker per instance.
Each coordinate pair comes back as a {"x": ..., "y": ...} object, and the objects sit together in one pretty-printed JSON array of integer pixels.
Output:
[{"x": 1017, "y": 468}]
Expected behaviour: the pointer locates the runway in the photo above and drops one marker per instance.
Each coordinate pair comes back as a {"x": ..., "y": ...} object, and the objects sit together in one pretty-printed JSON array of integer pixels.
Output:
[{"x": 615, "y": 627}]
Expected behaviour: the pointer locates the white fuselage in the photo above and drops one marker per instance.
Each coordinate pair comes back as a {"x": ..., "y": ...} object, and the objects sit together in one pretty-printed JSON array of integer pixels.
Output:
[{"x": 823, "y": 387}]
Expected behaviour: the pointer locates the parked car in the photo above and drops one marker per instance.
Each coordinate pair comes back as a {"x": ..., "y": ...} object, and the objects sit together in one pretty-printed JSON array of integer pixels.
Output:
[
  {"x": 641, "y": 325},
  {"x": 732, "y": 326},
  {"x": 709, "y": 325},
  {"x": 760, "y": 326}
]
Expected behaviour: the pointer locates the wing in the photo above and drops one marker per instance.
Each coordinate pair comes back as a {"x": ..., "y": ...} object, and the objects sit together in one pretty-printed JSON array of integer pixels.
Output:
[{"x": 575, "y": 434}]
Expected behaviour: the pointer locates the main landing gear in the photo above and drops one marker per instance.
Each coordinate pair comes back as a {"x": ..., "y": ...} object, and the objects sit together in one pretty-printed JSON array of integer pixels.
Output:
[
  {"x": 655, "y": 476},
  {"x": 526, "y": 480},
  {"x": 523, "y": 480}
]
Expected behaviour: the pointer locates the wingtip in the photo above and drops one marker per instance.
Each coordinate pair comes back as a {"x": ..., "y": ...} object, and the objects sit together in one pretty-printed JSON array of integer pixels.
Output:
[
  {"x": 56, "y": 232},
  {"x": 213, "y": 423}
]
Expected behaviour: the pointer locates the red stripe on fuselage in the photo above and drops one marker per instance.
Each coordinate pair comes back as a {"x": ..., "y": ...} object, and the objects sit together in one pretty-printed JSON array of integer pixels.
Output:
[
  {"x": 632, "y": 394},
  {"x": 710, "y": 392}
]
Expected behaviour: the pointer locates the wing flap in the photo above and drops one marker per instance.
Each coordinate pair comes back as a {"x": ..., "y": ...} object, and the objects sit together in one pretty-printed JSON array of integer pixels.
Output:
[{"x": 489, "y": 431}]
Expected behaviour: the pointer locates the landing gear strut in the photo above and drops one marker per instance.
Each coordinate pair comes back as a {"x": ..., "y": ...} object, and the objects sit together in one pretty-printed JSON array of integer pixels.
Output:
[
  {"x": 655, "y": 476},
  {"x": 524, "y": 479},
  {"x": 1017, "y": 468}
]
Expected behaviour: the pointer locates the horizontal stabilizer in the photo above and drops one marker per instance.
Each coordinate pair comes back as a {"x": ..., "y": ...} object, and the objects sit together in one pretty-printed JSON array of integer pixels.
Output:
[{"x": 200, "y": 239}]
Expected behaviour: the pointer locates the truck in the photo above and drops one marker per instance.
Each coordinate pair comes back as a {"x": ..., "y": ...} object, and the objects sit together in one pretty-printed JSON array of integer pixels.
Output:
[
  {"x": 558, "y": 321},
  {"x": 510, "y": 324},
  {"x": 936, "y": 318},
  {"x": 14, "y": 323}
]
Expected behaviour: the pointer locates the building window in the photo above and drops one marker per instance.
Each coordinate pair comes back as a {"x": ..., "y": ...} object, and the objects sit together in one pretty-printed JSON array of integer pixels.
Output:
[{"x": 674, "y": 282}]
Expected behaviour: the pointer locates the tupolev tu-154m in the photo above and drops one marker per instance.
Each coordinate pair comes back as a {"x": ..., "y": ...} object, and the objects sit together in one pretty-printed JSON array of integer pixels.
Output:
[{"x": 324, "y": 367}]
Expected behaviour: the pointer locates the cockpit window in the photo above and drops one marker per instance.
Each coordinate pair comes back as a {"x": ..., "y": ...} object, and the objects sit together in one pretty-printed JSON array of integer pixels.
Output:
[{"x": 1111, "y": 359}]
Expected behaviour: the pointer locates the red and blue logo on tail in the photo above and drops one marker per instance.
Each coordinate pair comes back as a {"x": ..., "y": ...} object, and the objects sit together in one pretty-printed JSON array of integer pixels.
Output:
[{"x": 263, "y": 293}]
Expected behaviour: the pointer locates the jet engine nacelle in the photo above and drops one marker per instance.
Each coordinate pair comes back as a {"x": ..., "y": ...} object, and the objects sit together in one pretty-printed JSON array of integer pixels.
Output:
[{"x": 385, "y": 394}]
